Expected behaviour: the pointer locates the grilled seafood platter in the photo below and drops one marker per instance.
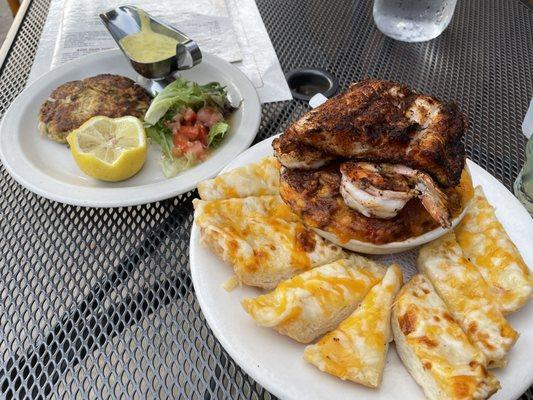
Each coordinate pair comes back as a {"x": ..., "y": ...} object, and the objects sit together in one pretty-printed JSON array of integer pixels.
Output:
[
  {"x": 339, "y": 310},
  {"x": 377, "y": 164}
]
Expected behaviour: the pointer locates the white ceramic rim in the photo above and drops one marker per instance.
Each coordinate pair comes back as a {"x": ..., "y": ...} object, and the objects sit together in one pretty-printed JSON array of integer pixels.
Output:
[{"x": 40, "y": 183}]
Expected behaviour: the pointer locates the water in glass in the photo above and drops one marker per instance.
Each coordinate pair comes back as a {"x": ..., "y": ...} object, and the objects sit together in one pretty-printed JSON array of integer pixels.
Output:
[{"x": 413, "y": 20}]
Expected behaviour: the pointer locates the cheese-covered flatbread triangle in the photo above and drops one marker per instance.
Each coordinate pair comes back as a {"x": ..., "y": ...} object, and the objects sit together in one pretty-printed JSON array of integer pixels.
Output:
[
  {"x": 257, "y": 179},
  {"x": 434, "y": 348},
  {"x": 468, "y": 297},
  {"x": 356, "y": 350},
  {"x": 261, "y": 238},
  {"x": 487, "y": 245},
  {"x": 314, "y": 302}
]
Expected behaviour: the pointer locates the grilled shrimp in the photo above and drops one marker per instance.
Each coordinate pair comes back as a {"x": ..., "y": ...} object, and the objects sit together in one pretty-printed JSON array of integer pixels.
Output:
[{"x": 382, "y": 190}]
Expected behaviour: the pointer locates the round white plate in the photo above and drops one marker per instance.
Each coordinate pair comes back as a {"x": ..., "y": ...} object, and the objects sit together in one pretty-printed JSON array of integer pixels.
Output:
[
  {"x": 47, "y": 168},
  {"x": 276, "y": 362}
]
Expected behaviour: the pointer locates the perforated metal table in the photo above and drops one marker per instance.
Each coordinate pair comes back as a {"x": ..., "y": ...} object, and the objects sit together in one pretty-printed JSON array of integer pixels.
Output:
[{"x": 99, "y": 302}]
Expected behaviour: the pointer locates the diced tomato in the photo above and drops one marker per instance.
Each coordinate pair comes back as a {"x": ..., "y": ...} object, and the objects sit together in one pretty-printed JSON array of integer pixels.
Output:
[
  {"x": 189, "y": 116},
  {"x": 196, "y": 148},
  {"x": 180, "y": 144},
  {"x": 189, "y": 132},
  {"x": 209, "y": 116},
  {"x": 203, "y": 134},
  {"x": 189, "y": 137},
  {"x": 175, "y": 128},
  {"x": 177, "y": 152}
]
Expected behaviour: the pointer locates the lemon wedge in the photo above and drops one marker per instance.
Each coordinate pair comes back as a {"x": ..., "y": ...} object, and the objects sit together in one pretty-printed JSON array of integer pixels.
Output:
[{"x": 109, "y": 149}]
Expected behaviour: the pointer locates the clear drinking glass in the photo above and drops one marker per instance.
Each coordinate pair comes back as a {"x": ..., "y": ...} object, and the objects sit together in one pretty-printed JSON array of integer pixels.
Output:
[
  {"x": 523, "y": 186},
  {"x": 413, "y": 20}
]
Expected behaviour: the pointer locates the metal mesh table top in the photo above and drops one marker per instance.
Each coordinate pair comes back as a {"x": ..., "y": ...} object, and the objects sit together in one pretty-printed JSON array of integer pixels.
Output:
[{"x": 99, "y": 302}]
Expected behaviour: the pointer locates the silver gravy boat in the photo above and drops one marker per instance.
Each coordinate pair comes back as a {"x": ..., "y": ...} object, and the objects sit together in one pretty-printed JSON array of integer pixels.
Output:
[{"x": 127, "y": 20}]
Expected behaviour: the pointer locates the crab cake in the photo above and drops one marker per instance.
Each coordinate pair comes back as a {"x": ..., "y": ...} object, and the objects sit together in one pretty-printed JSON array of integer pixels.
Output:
[{"x": 73, "y": 103}]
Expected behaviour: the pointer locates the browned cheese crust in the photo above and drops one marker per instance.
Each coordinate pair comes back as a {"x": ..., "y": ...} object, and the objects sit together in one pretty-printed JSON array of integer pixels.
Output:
[
  {"x": 73, "y": 103},
  {"x": 376, "y": 121},
  {"x": 314, "y": 196}
]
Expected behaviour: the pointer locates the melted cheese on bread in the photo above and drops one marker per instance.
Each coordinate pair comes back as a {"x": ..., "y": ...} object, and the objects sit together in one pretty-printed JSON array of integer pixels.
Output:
[
  {"x": 468, "y": 297},
  {"x": 357, "y": 348},
  {"x": 434, "y": 348},
  {"x": 257, "y": 179},
  {"x": 261, "y": 238},
  {"x": 487, "y": 245},
  {"x": 314, "y": 302}
]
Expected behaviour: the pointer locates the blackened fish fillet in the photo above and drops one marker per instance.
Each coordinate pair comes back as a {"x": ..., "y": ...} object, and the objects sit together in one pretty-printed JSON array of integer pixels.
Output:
[{"x": 383, "y": 121}]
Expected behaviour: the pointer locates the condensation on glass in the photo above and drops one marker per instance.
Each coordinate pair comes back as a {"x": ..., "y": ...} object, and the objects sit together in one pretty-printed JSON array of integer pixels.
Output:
[{"x": 413, "y": 20}]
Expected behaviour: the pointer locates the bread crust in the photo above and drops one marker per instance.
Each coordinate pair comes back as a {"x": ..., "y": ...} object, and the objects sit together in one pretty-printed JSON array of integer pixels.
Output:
[
  {"x": 486, "y": 244},
  {"x": 434, "y": 349},
  {"x": 356, "y": 350},
  {"x": 261, "y": 238},
  {"x": 316, "y": 301},
  {"x": 256, "y": 179},
  {"x": 468, "y": 297}
]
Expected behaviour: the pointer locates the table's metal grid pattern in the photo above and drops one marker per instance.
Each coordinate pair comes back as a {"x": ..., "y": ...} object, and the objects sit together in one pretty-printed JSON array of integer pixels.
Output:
[{"x": 97, "y": 302}]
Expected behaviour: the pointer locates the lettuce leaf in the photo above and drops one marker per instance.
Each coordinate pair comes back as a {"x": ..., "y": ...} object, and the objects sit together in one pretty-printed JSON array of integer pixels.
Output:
[
  {"x": 162, "y": 137},
  {"x": 170, "y": 165},
  {"x": 217, "y": 133},
  {"x": 182, "y": 93}
]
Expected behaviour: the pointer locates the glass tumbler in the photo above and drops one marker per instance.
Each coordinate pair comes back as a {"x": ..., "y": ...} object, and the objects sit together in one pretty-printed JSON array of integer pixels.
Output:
[
  {"x": 413, "y": 20},
  {"x": 523, "y": 186}
]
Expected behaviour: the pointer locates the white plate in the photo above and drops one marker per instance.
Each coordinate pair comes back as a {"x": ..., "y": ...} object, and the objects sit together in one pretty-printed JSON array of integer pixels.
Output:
[
  {"x": 47, "y": 168},
  {"x": 276, "y": 362}
]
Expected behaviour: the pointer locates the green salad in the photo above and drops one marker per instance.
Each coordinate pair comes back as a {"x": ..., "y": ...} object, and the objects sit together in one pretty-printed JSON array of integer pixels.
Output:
[{"x": 187, "y": 121}]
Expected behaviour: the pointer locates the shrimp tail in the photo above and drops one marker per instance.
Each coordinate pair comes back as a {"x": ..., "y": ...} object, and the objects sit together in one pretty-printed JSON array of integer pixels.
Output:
[{"x": 433, "y": 200}]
